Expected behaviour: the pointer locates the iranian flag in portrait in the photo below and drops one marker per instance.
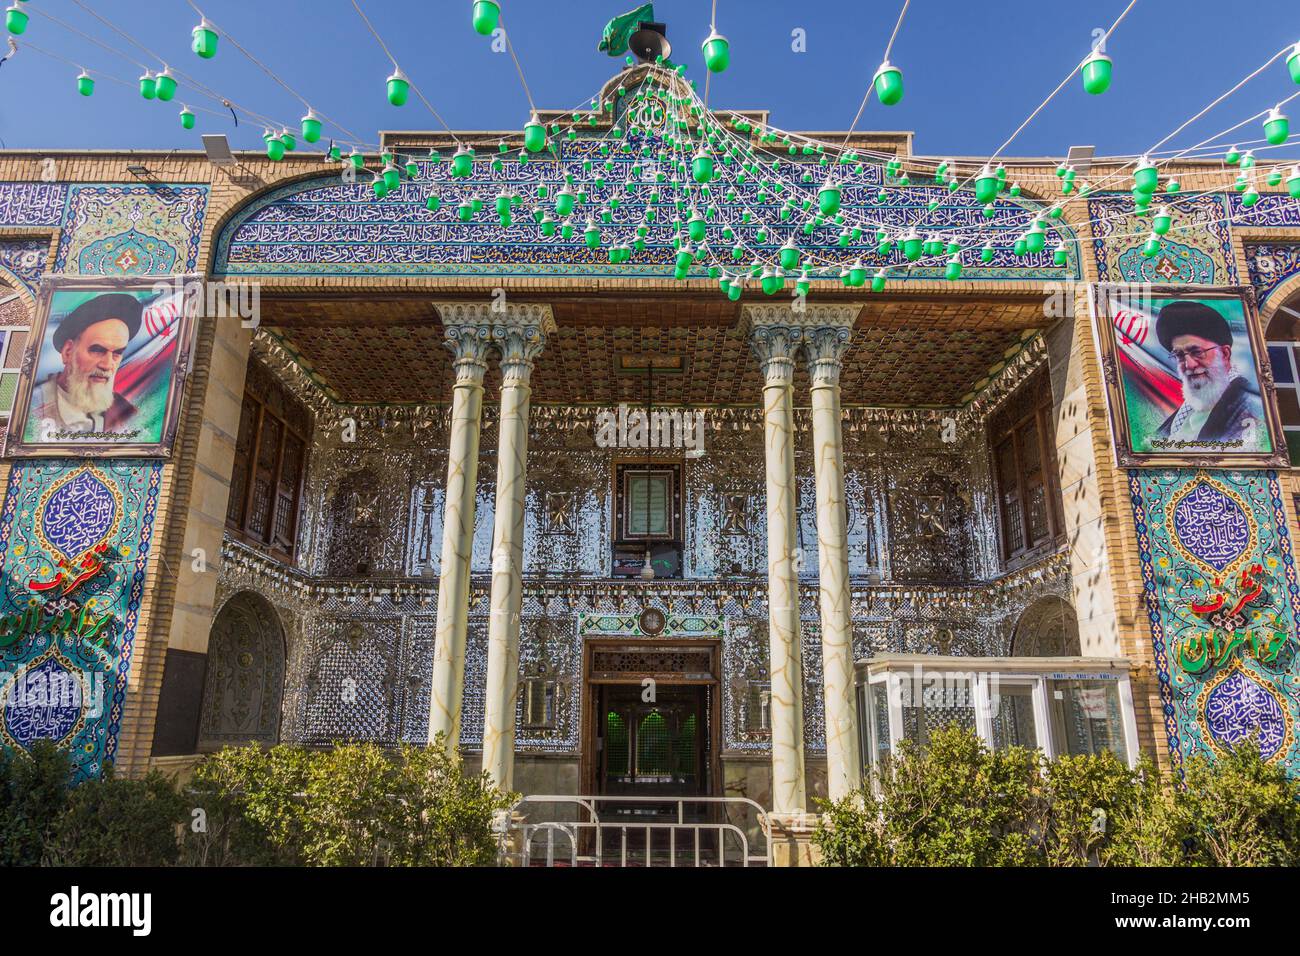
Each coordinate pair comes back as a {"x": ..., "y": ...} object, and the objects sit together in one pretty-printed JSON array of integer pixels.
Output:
[
  {"x": 147, "y": 367},
  {"x": 1144, "y": 366}
]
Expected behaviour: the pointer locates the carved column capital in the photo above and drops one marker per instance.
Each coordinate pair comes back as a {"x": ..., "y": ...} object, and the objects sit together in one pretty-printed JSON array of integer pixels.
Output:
[
  {"x": 775, "y": 346},
  {"x": 469, "y": 345},
  {"x": 520, "y": 345},
  {"x": 517, "y": 330},
  {"x": 825, "y": 348},
  {"x": 777, "y": 333}
]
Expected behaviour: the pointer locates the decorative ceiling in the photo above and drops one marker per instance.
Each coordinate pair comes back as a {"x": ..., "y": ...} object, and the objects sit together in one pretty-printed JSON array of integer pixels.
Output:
[{"x": 904, "y": 352}]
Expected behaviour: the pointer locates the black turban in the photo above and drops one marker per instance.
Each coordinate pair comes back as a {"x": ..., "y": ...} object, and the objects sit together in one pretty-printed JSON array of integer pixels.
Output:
[
  {"x": 111, "y": 305},
  {"x": 1191, "y": 318}
]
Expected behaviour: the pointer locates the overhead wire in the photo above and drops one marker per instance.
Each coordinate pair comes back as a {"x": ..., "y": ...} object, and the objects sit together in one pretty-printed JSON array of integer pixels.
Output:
[{"x": 273, "y": 75}]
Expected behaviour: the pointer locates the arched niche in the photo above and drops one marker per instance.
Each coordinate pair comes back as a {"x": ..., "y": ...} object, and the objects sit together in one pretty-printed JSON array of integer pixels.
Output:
[
  {"x": 244, "y": 685},
  {"x": 1047, "y": 628}
]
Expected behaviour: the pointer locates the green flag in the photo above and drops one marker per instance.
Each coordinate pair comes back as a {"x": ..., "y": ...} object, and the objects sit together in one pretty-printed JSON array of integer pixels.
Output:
[{"x": 619, "y": 30}]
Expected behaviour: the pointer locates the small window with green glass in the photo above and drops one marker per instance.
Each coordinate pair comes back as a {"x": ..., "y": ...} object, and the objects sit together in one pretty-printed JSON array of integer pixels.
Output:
[
  {"x": 13, "y": 343},
  {"x": 1285, "y": 362},
  {"x": 649, "y": 504}
]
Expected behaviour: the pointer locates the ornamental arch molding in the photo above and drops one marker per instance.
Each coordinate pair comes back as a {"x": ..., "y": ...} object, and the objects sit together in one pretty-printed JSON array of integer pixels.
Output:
[
  {"x": 1280, "y": 316},
  {"x": 244, "y": 684},
  {"x": 318, "y": 226},
  {"x": 1047, "y": 628}
]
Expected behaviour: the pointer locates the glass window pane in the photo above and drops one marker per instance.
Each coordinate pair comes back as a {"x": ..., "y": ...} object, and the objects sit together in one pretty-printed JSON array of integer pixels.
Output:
[
  {"x": 1029, "y": 450},
  {"x": 648, "y": 503},
  {"x": 14, "y": 348},
  {"x": 880, "y": 720},
  {"x": 1009, "y": 497},
  {"x": 933, "y": 703},
  {"x": 948, "y": 701},
  {"x": 1037, "y": 524},
  {"x": 1279, "y": 358},
  {"x": 1086, "y": 717},
  {"x": 758, "y": 707},
  {"x": 1293, "y": 446},
  {"x": 652, "y": 747},
  {"x": 1288, "y": 406},
  {"x": 616, "y": 747},
  {"x": 8, "y": 385},
  {"x": 1013, "y": 715}
]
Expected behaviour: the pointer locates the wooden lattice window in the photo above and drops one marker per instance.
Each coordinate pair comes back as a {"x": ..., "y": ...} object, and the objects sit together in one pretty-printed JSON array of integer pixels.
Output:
[
  {"x": 14, "y": 332},
  {"x": 648, "y": 516},
  {"x": 1023, "y": 446},
  {"x": 1284, "y": 357},
  {"x": 270, "y": 465}
]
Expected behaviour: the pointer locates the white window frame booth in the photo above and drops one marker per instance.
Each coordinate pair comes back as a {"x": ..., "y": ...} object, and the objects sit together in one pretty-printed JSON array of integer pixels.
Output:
[{"x": 894, "y": 692}]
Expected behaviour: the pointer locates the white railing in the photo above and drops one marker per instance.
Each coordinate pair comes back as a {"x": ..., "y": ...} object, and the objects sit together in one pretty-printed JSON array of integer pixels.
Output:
[{"x": 589, "y": 840}]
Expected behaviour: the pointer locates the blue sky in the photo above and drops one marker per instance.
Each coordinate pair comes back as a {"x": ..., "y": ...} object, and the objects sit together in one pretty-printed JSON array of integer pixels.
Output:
[{"x": 973, "y": 71}]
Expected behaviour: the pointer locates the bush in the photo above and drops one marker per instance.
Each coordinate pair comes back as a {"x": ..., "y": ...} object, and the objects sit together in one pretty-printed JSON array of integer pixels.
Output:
[
  {"x": 33, "y": 793},
  {"x": 353, "y": 805},
  {"x": 243, "y": 807},
  {"x": 112, "y": 822},
  {"x": 955, "y": 803},
  {"x": 1084, "y": 795},
  {"x": 443, "y": 816},
  {"x": 1236, "y": 811}
]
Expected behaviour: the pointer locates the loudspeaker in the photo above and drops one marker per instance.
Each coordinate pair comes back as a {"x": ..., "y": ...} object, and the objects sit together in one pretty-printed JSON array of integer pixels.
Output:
[{"x": 649, "y": 42}]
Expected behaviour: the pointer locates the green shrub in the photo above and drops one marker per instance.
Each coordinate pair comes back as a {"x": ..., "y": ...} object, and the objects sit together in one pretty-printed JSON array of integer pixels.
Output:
[
  {"x": 352, "y": 805},
  {"x": 1238, "y": 811},
  {"x": 1084, "y": 794},
  {"x": 443, "y": 815},
  {"x": 955, "y": 803},
  {"x": 33, "y": 793},
  {"x": 347, "y": 816},
  {"x": 1146, "y": 832},
  {"x": 246, "y": 800},
  {"x": 118, "y": 822}
]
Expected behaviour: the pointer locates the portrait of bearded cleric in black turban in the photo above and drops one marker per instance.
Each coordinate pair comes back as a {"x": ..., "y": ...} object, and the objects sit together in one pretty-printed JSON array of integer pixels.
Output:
[
  {"x": 1188, "y": 380},
  {"x": 105, "y": 371}
]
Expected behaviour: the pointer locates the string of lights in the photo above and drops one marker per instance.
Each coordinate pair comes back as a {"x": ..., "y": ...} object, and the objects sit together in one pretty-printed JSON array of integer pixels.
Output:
[{"x": 693, "y": 160}]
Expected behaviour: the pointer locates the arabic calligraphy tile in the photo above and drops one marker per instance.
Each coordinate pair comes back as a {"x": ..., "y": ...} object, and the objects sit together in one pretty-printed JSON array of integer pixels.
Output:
[
  {"x": 78, "y": 512},
  {"x": 1241, "y": 696},
  {"x": 1235, "y": 707},
  {"x": 47, "y": 701},
  {"x": 1211, "y": 525}
]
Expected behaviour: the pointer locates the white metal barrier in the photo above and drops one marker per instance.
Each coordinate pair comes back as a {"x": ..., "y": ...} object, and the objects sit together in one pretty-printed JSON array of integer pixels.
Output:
[{"x": 590, "y": 840}]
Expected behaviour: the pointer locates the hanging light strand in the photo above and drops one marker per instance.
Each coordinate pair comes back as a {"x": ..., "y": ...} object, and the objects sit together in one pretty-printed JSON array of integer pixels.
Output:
[
  {"x": 273, "y": 75},
  {"x": 713, "y": 28},
  {"x": 91, "y": 39},
  {"x": 199, "y": 87},
  {"x": 518, "y": 68},
  {"x": 102, "y": 74},
  {"x": 866, "y": 96},
  {"x": 397, "y": 67}
]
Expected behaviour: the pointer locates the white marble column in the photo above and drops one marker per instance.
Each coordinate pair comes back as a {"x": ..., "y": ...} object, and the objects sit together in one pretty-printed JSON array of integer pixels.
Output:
[
  {"x": 774, "y": 346},
  {"x": 825, "y": 344},
  {"x": 468, "y": 337},
  {"x": 520, "y": 340}
]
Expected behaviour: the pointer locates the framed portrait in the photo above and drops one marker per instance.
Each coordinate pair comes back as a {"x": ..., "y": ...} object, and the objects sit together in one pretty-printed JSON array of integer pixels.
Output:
[
  {"x": 1187, "y": 377},
  {"x": 105, "y": 367}
]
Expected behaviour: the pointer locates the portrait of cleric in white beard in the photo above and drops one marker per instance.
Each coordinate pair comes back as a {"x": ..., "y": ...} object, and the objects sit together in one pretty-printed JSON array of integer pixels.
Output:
[
  {"x": 1220, "y": 406},
  {"x": 81, "y": 397}
]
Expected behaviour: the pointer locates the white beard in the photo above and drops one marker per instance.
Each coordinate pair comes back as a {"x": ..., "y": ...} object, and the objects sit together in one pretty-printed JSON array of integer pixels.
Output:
[
  {"x": 1203, "y": 394},
  {"x": 91, "y": 398}
]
